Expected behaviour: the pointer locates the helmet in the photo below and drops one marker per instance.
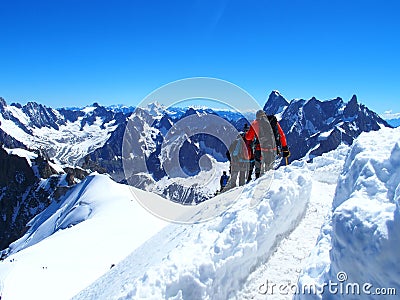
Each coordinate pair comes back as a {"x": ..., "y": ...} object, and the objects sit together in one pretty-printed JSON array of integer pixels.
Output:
[{"x": 260, "y": 113}]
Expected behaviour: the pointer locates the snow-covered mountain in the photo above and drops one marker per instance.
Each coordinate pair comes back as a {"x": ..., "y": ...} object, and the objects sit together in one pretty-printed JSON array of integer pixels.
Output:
[
  {"x": 148, "y": 146},
  {"x": 92, "y": 136},
  {"x": 314, "y": 127},
  {"x": 55, "y": 211},
  {"x": 67, "y": 135},
  {"x": 236, "y": 254}
]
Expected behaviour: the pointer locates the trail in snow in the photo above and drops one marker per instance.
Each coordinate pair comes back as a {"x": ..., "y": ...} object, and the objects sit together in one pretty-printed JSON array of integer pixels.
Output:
[
  {"x": 358, "y": 246},
  {"x": 286, "y": 263},
  {"x": 277, "y": 278}
]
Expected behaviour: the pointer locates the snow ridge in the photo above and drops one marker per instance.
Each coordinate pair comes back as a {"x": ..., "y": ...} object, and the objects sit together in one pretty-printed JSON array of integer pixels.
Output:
[
  {"x": 213, "y": 259},
  {"x": 362, "y": 236},
  {"x": 76, "y": 240}
]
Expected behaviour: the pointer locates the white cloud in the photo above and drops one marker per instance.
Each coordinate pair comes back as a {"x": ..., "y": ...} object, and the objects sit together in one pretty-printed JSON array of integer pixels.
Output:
[{"x": 389, "y": 115}]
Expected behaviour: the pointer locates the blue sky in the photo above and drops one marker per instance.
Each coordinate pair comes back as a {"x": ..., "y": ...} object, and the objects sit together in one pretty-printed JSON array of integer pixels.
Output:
[{"x": 73, "y": 53}]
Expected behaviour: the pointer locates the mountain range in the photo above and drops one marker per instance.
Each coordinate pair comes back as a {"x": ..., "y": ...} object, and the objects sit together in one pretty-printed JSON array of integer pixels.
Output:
[
  {"x": 314, "y": 127},
  {"x": 63, "y": 141}
]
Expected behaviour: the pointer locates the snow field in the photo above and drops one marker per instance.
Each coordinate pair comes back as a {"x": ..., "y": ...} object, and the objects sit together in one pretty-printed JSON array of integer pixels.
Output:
[
  {"x": 73, "y": 242},
  {"x": 211, "y": 260}
]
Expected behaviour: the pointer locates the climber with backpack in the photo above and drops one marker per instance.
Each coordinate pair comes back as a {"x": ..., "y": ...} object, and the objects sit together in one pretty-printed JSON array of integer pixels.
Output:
[
  {"x": 239, "y": 161},
  {"x": 250, "y": 153},
  {"x": 269, "y": 139},
  {"x": 223, "y": 181}
]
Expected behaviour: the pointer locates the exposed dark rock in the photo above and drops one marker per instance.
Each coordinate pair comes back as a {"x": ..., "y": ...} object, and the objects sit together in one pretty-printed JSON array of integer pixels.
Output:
[
  {"x": 275, "y": 103},
  {"x": 10, "y": 142},
  {"x": 315, "y": 127},
  {"x": 25, "y": 191},
  {"x": 73, "y": 173},
  {"x": 41, "y": 116}
]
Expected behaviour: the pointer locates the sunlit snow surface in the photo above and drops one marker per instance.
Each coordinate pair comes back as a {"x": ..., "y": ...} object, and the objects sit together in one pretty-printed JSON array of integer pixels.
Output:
[
  {"x": 75, "y": 241},
  {"x": 213, "y": 258},
  {"x": 99, "y": 223},
  {"x": 359, "y": 244}
]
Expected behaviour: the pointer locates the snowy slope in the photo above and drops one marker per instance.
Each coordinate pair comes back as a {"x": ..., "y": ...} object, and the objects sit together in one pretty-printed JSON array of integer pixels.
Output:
[
  {"x": 358, "y": 247},
  {"x": 211, "y": 259},
  {"x": 75, "y": 241}
]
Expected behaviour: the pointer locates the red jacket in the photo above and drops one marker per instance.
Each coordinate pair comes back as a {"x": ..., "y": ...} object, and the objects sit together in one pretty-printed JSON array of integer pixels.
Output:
[{"x": 254, "y": 133}]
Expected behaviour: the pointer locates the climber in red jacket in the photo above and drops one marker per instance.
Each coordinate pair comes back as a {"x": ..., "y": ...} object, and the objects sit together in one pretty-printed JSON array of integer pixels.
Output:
[{"x": 268, "y": 136}]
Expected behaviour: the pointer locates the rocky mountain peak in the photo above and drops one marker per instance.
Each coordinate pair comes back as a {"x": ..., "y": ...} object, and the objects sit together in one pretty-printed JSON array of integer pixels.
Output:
[
  {"x": 275, "y": 103},
  {"x": 40, "y": 115},
  {"x": 352, "y": 107}
]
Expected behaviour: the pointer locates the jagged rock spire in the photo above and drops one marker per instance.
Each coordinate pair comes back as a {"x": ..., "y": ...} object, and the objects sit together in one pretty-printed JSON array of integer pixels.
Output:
[
  {"x": 352, "y": 107},
  {"x": 275, "y": 103}
]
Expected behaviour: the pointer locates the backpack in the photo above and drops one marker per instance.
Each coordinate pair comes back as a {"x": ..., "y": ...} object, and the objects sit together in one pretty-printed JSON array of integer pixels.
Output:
[
  {"x": 238, "y": 150},
  {"x": 224, "y": 180},
  {"x": 274, "y": 125},
  {"x": 266, "y": 136},
  {"x": 266, "y": 131}
]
